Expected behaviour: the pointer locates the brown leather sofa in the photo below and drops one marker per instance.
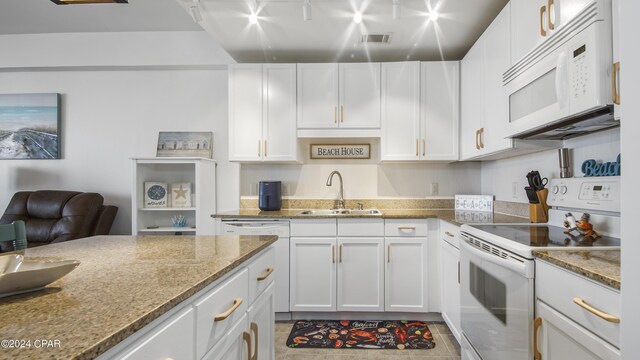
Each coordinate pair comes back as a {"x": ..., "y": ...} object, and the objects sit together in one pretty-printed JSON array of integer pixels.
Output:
[{"x": 53, "y": 216}]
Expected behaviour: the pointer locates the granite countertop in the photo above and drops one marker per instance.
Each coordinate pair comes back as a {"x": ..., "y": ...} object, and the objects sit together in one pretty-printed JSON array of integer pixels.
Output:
[
  {"x": 455, "y": 217},
  {"x": 122, "y": 284},
  {"x": 602, "y": 266}
]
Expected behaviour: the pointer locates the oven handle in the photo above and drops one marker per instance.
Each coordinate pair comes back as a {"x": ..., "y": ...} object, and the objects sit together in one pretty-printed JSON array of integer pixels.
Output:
[{"x": 522, "y": 268}]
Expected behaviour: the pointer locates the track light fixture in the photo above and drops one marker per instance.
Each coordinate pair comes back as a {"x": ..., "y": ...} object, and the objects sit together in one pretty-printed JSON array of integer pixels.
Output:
[
  {"x": 306, "y": 10},
  {"x": 395, "y": 7}
]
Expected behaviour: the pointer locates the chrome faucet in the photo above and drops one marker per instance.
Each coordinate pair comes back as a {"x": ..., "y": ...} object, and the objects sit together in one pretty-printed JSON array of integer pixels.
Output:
[{"x": 341, "y": 195}]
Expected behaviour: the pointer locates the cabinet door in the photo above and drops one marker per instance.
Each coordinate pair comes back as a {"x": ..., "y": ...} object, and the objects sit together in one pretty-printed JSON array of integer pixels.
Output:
[
  {"x": 279, "y": 112},
  {"x": 472, "y": 107},
  {"x": 313, "y": 274},
  {"x": 318, "y": 96},
  {"x": 360, "y": 274},
  {"x": 496, "y": 106},
  {"x": 528, "y": 26},
  {"x": 245, "y": 112},
  {"x": 400, "y": 111},
  {"x": 450, "y": 262},
  {"x": 440, "y": 110},
  {"x": 233, "y": 346},
  {"x": 560, "y": 338},
  {"x": 406, "y": 275},
  {"x": 562, "y": 11},
  {"x": 262, "y": 325},
  {"x": 359, "y": 95}
]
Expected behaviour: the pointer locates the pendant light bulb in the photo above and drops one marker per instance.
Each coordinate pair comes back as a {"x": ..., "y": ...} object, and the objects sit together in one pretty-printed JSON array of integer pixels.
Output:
[
  {"x": 357, "y": 18},
  {"x": 395, "y": 7},
  {"x": 253, "y": 19},
  {"x": 433, "y": 15},
  {"x": 306, "y": 10}
]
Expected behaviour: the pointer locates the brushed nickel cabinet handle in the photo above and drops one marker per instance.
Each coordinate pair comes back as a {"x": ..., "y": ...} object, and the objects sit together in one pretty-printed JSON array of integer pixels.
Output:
[
  {"x": 259, "y": 146},
  {"x": 551, "y": 3},
  {"x": 265, "y": 148},
  {"x": 247, "y": 338},
  {"x": 543, "y": 32},
  {"x": 416, "y": 147},
  {"x": 254, "y": 329},
  {"x": 449, "y": 234},
  {"x": 536, "y": 325},
  {"x": 482, "y": 138},
  {"x": 340, "y": 255},
  {"x": 335, "y": 114},
  {"x": 607, "y": 317},
  {"x": 406, "y": 227},
  {"x": 388, "y": 253},
  {"x": 477, "y": 136},
  {"x": 265, "y": 275},
  {"x": 333, "y": 254},
  {"x": 222, "y": 316},
  {"x": 424, "y": 147},
  {"x": 458, "y": 272},
  {"x": 341, "y": 113},
  {"x": 614, "y": 83}
]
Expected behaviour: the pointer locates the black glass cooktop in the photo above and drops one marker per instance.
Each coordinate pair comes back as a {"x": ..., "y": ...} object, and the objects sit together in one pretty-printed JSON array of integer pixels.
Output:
[{"x": 545, "y": 236}]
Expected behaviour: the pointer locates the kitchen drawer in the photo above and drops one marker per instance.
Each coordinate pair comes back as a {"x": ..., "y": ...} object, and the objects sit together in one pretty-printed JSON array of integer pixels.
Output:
[
  {"x": 232, "y": 346},
  {"x": 172, "y": 339},
  {"x": 361, "y": 227},
  {"x": 313, "y": 227},
  {"x": 405, "y": 227},
  {"x": 219, "y": 300},
  {"x": 558, "y": 288},
  {"x": 450, "y": 233},
  {"x": 261, "y": 273}
]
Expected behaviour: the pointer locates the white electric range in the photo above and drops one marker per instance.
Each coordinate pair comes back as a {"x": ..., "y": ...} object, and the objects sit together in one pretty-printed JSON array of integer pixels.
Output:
[{"x": 497, "y": 266}]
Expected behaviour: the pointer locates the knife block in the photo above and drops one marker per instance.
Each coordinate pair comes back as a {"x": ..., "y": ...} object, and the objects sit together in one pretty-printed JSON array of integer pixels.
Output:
[{"x": 539, "y": 213}]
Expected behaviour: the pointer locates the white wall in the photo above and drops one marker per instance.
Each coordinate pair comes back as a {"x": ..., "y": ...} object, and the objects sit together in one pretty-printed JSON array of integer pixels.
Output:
[
  {"x": 363, "y": 179},
  {"x": 630, "y": 94},
  {"x": 498, "y": 176},
  {"x": 114, "y": 101},
  {"x": 110, "y": 116}
]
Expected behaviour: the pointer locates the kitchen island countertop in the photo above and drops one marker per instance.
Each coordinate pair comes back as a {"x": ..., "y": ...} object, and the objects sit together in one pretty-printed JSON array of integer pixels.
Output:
[
  {"x": 602, "y": 266},
  {"x": 455, "y": 217},
  {"x": 122, "y": 284}
]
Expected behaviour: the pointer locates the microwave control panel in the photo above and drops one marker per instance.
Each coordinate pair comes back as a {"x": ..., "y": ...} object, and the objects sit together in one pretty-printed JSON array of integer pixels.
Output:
[{"x": 580, "y": 71}]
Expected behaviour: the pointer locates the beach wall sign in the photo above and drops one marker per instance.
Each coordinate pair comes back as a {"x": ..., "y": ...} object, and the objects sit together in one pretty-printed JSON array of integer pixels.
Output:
[{"x": 591, "y": 168}]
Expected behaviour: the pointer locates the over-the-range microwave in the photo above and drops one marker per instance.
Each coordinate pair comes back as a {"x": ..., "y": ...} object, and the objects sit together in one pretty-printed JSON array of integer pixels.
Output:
[{"x": 563, "y": 87}]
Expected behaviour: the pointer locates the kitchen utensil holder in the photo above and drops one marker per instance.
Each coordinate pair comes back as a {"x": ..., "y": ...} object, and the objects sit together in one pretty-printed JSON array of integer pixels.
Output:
[{"x": 539, "y": 213}]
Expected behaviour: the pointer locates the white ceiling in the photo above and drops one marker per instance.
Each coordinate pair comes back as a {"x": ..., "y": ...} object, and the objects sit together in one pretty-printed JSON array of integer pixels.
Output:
[
  {"x": 43, "y": 16},
  {"x": 281, "y": 34}
]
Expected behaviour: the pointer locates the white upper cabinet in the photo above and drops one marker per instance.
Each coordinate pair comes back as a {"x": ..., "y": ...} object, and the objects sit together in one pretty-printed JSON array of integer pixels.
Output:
[
  {"x": 471, "y": 94},
  {"x": 262, "y": 113},
  {"x": 339, "y": 96},
  {"x": 440, "y": 110},
  {"x": 420, "y": 108},
  {"x": 318, "y": 96},
  {"x": 245, "y": 112},
  {"x": 533, "y": 21},
  {"x": 360, "y": 95},
  {"x": 401, "y": 135}
]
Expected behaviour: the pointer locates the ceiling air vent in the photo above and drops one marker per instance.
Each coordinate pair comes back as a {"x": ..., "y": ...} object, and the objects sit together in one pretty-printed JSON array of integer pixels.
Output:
[
  {"x": 74, "y": 2},
  {"x": 376, "y": 38}
]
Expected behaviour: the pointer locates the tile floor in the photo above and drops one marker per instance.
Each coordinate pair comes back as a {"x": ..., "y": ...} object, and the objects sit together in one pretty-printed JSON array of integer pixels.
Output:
[{"x": 447, "y": 348}]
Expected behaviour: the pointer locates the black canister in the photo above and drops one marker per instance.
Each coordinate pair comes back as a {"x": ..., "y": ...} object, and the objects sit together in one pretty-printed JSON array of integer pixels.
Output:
[{"x": 270, "y": 195}]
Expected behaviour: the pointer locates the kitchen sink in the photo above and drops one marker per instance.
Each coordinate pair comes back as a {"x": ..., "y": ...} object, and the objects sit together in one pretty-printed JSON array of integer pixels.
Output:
[{"x": 341, "y": 212}]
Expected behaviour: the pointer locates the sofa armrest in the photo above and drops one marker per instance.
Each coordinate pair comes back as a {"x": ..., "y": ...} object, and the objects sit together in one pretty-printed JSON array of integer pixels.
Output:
[{"x": 104, "y": 220}]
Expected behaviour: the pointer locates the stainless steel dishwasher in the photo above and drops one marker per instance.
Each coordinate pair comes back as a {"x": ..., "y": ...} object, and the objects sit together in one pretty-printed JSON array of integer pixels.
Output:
[{"x": 268, "y": 227}]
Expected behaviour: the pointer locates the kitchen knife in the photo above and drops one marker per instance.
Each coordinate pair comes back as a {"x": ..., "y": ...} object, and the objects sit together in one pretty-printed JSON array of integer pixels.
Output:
[{"x": 532, "y": 195}]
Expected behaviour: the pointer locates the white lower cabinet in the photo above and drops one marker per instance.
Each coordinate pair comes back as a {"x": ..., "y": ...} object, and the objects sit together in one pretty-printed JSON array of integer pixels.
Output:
[
  {"x": 313, "y": 274},
  {"x": 560, "y": 338},
  {"x": 262, "y": 325},
  {"x": 234, "y": 345},
  {"x": 168, "y": 341},
  {"x": 406, "y": 283},
  {"x": 360, "y": 274},
  {"x": 450, "y": 262}
]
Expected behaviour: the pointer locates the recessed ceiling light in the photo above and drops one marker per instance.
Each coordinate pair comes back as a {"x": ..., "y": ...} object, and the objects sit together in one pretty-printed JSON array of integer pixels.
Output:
[
  {"x": 253, "y": 19},
  {"x": 357, "y": 18},
  {"x": 433, "y": 16},
  {"x": 395, "y": 7},
  {"x": 73, "y": 2},
  {"x": 306, "y": 10}
]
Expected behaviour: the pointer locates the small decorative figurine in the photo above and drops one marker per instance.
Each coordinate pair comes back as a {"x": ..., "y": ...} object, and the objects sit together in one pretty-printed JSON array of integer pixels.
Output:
[{"x": 583, "y": 227}]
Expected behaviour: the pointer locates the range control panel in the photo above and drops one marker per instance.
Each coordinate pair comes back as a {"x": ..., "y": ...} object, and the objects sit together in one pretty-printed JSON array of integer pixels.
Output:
[{"x": 593, "y": 193}]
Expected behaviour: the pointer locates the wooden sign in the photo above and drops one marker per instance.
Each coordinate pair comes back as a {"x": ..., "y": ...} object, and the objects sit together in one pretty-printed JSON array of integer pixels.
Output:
[
  {"x": 591, "y": 168},
  {"x": 358, "y": 151}
]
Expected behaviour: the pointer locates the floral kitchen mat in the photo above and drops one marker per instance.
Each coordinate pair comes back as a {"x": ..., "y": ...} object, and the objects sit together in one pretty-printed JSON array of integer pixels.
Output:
[{"x": 345, "y": 334}]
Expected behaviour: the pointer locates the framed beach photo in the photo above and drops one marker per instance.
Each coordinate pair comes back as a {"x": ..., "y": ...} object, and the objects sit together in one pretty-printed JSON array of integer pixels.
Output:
[
  {"x": 185, "y": 144},
  {"x": 30, "y": 126}
]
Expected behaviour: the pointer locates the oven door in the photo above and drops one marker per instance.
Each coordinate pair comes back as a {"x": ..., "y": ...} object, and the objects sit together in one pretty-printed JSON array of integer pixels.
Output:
[{"x": 497, "y": 301}]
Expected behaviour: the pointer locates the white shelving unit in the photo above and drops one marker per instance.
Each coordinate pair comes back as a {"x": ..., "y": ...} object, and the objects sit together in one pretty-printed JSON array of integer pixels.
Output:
[{"x": 200, "y": 172}]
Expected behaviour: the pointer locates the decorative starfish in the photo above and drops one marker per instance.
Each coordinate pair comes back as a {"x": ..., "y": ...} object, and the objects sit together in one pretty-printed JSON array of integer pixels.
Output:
[{"x": 181, "y": 192}]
